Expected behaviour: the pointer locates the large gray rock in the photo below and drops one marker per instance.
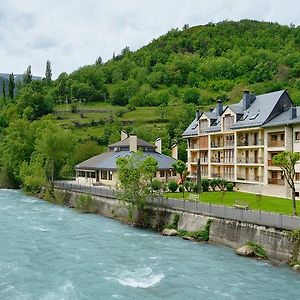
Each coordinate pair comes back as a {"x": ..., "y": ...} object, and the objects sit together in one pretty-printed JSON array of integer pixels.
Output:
[
  {"x": 296, "y": 268},
  {"x": 169, "y": 232},
  {"x": 245, "y": 251}
]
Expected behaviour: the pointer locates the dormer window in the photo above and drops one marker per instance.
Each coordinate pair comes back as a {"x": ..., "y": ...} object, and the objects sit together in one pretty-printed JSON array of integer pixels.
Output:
[
  {"x": 253, "y": 117},
  {"x": 228, "y": 121},
  {"x": 244, "y": 117}
]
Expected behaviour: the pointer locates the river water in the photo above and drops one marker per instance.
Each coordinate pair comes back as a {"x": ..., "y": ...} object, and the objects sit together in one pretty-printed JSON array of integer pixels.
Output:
[{"x": 51, "y": 252}]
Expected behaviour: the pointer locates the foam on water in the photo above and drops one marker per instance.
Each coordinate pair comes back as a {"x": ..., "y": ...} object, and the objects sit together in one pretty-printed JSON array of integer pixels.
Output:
[{"x": 140, "y": 278}]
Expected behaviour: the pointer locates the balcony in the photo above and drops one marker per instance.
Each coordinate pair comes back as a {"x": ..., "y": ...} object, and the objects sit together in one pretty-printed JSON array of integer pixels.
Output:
[
  {"x": 277, "y": 181},
  {"x": 194, "y": 174},
  {"x": 203, "y": 160},
  {"x": 275, "y": 144},
  {"x": 194, "y": 146},
  {"x": 222, "y": 160},
  {"x": 229, "y": 144},
  {"x": 249, "y": 160},
  {"x": 259, "y": 142},
  {"x": 250, "y": 178}
]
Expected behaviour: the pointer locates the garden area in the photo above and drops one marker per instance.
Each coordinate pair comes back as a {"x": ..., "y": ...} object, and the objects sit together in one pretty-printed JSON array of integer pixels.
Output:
[{"x": 221, "y": 192}]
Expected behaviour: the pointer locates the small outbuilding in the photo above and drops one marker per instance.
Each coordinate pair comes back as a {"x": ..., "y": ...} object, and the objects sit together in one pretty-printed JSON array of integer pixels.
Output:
[{"x": 102, "y": 169}]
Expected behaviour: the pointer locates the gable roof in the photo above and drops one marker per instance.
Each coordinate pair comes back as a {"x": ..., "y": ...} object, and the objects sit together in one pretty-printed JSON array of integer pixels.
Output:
[
  {"x": 192, "y": 130},
  {"x": 285, "y": 118},
  {"x": 260, "y": 110}
]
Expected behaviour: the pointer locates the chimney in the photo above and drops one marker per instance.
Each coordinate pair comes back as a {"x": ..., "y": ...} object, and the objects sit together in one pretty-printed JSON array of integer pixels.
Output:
[
  {"x": 174, "y": 150},
  {"x": 197, "y": 114},
  {"x": 294, "y": 112},
  {"x": 133, "y": 143},
  {"x": 158, "y": 145},
  {"x": 124, "y": 135},
  {"x": 246, "y": 100},
  {"x": 219, "y": 107}
]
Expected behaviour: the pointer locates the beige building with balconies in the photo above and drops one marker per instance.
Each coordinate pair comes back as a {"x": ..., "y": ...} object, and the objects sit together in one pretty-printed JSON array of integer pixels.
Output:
[{"x": 237, "y": 142}]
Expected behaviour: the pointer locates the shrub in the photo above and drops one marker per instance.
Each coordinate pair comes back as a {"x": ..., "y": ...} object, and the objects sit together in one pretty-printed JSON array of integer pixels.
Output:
[
  {"x": 195, "y": 188},
  {"x": 174, "y": 223},
  {"x": 214, "y": 183},
  {"x": 258, "y": 249},
  {"x": 84, "y": 202},
  {"x": 222, "y": 184},
  {"x": 181, "y": 188},
  {"x": 229, "y": 186},
  {"x": 156, "y": 185},
  {"x": 188, "y": 185},
  {"x": 172, "y": 185},
  {"x": 205, "y": 185}
]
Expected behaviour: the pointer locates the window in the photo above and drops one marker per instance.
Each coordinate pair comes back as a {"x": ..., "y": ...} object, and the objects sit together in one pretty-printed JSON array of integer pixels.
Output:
[
  {"x": 162, "y": 173},
  {"x": 253, "y": 117},
  {"x": 104, "y": 175},
  {"x": 297, "y": 136},
  {"x": 274, "y": 137},
  {"x": 110, "y": 175},
  {"x": 244, "y": 117},
  {"x": 173, "y": 173},
  {"x": 297, "y": 176},
  {"x": 93, "y": 175},
  {"x": 228, "y": 121},
  {"x": 282, "y": 137}
]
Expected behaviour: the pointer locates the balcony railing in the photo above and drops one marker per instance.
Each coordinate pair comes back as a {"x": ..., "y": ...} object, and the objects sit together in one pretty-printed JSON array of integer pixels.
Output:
[
  {"x": 275, "y": 143},
  {"x": 222, "y": 175},
  {"x": 194, "y": 174},
  {"x": 222, "y": 160},
  {"x": 203, "y": 160},
  {"x": 250, "y": 178},
  {"x": 278, "y": 181},
  {"x": 194, "y": 146},
  {"x": 259, "y": 142},
  {"x": 249, "y": 160},
  {"x": 222, "y": 145}
]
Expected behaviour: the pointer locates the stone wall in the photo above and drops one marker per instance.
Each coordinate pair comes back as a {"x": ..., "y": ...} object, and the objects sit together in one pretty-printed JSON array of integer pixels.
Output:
[{"x": 222, "y": 231}]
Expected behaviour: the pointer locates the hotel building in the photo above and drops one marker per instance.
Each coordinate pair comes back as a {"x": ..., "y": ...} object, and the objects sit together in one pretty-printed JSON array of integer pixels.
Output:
[{"x": 237, "y": 142}]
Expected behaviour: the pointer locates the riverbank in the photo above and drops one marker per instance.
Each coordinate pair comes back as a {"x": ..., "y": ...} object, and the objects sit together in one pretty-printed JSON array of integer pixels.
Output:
[{"x": 222, "y": 231}]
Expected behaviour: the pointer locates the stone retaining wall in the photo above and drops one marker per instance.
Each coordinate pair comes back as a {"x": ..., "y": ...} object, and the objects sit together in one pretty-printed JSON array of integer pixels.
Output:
[{"x": 225, "y": 232}]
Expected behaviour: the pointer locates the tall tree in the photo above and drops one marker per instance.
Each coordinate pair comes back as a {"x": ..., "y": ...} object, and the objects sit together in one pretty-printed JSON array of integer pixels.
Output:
[
  {"x": 48, "y": 73},
  {"x": 27, "y": 76},
  {"x": 98, "y": 61},
  {"x": 135, "y": 174},
  {"x": 11, "y": 86},
  {"x": 286, "y": 161},
  {"x": 180, "y": 167},
  {"x": 3, "y": 89}
]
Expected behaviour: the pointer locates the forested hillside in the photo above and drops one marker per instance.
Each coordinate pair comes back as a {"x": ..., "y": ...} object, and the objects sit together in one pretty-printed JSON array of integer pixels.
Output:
[{"x": 152, "y": 92}]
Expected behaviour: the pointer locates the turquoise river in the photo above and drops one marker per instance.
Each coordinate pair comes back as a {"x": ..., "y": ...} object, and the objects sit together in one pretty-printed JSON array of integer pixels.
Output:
[{"x": 52, "y": 252}]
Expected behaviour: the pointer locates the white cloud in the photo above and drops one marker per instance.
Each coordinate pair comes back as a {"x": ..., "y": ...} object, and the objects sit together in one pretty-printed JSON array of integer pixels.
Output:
[{"x": 72, "y": 33}]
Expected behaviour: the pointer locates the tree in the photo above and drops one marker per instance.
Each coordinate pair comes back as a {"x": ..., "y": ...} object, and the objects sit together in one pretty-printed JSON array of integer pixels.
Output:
[
  {"x": 180, "y": 167},
  {"x": 48, "y": 73},
  {"x": 27, "y": 76},
  {"x": 98, "y": 61},
  {"x": 3, "y": 89},
  {"x": 11, "y": 86},
  {"x": 286, "y": 161},
  {"x": 135, "y": 174}
]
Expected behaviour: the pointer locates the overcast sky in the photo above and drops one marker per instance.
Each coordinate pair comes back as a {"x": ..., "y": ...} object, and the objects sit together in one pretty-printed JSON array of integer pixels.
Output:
[{"x": 73, "y": 33}]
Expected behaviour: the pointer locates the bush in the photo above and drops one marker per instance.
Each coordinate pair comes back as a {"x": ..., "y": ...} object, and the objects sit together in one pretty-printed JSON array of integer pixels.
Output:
[
  {"x": 195, "y": 188},
  {"x": 222, "y": 184},
  {"x": 229, "y": 186},
  {"x": 188, "y": 185},
  {"x": 84, "y": 202},
  {"x": 258, "y": 249},
  {"x": 156, "y": 185},
  {"x": 205, "y": 185},
  {"x": 214, "y": 183},
  {"x": 173, "y": 186},
  {"x": 181, "y": 188}
]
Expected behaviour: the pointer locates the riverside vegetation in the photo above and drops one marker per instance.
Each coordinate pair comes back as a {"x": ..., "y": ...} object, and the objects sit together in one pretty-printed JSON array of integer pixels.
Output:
[{"x": 152, "y": 92}]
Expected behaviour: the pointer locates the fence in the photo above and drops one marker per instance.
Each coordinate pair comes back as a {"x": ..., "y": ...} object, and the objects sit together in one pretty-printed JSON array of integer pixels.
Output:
[{"x": 256, "y": 217}]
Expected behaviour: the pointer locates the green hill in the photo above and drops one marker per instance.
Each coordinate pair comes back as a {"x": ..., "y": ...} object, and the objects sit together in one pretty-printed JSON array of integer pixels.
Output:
[{"x": 155, "y": 90}]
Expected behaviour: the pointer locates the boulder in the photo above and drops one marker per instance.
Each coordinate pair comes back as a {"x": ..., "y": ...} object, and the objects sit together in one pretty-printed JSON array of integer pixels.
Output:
[
  {"x": 245, "y": 251},
  {"x": 169, "y": 232},
  {"x": 296, "y": 268},
  {"x": 189, "y": 238}
]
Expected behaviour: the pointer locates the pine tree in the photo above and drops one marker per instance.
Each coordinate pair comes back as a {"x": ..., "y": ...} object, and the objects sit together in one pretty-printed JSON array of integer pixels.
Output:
[
  {"x": 11, "y": 86},
  {"x": 98, "y": 61},
  {"x": 27, "y": 76},
  {"x": 3, "y": 89},
  {"x": 48, "y": 73}
]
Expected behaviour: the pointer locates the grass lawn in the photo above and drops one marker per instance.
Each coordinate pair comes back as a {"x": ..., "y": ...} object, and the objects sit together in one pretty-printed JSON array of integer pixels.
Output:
[{"x": 266, "y": 203}]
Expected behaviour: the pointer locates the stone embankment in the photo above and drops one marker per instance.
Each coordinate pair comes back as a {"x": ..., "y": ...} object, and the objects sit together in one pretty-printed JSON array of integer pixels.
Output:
[{"x": 222, "y": 231}]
